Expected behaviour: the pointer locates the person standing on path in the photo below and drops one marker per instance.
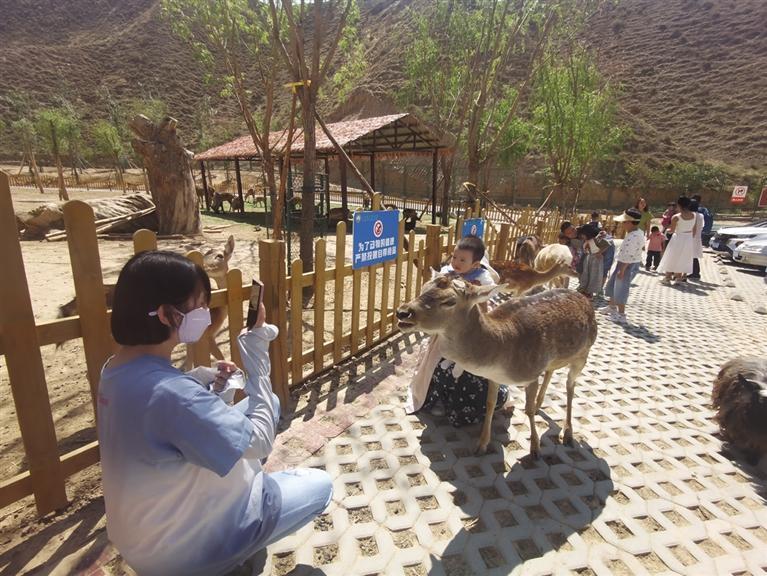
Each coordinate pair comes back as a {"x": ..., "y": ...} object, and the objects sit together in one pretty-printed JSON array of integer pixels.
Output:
[
  {"x": 708, "y": 220},
  {"x": 646, "y": 221},
  {"x": 677, "y": 259},
  {"x": 628, "y": 260},
  {"x": 697, "y": 240},
  {"x": 654, "y": 249}
]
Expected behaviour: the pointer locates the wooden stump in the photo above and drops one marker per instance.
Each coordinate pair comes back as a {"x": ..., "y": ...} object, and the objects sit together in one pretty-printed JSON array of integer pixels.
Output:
[{"x": 169, "y": 165}]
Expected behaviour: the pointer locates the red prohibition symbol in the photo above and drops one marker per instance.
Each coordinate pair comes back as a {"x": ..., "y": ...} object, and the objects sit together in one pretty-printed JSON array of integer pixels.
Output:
[{"x": 377, "y": 228}]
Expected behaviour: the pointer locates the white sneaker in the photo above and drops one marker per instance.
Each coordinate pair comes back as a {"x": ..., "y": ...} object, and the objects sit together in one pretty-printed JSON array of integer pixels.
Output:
[
  {"x": 619, "y": 318},
  {"x": 607, "y": 310}
]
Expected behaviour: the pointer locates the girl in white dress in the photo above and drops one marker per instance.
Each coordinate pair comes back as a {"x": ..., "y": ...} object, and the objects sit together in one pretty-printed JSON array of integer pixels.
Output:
[{"x": 677, "y": 259}]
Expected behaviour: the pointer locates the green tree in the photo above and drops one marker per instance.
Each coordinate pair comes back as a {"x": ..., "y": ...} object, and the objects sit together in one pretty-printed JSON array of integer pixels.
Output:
[
  {"x": 313, "y": 39},
  {"x": 25, "y": 133},
  {"x": 54, "y": 125},
  {"x": 107, "y": 141},
  {"x": 575, "y": 120}
]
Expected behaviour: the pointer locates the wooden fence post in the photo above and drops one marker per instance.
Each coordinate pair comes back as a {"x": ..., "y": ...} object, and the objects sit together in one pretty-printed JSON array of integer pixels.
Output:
[
  {"x": 272, "y": 274},
  {"x": 25, "y": 366},
  {"x": 432, "y": 249},
  {"x": 296, "y": 321},
  {"x": 200, "y": 349},
  {"x": 338, "y": 292},
  {"x": 502, "y": 247},
  {"x": 319, "y": 304},
  {"x": 376, "y": 203},
  {"x": 144, "y": 240},
  {"x": 89, "y": 289},
  {"x": 234, "y": 299}
]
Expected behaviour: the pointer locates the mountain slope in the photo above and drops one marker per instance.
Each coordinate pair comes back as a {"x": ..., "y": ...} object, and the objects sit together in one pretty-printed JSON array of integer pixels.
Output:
[{"x": 692, "y": 71}]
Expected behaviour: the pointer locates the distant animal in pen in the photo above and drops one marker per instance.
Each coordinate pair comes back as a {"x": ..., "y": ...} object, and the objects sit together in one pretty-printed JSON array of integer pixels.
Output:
[
  {"x": 739, "y": 397},
  {"x": 217, "y": 205}
]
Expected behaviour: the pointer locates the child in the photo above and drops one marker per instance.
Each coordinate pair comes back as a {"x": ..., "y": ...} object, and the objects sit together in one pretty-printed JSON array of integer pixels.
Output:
[
  {"x": 596, "y": 220},
  {"x": 654, "y": 248},
  {"x": 439, "y": 385},
  {"x": 608, "y": 256},
  {"x": 594, "y": 247},
  {"x": 665, "y": 221},
  {"x": 468, "y": 261},
  {"x": 628, "y": 260}
]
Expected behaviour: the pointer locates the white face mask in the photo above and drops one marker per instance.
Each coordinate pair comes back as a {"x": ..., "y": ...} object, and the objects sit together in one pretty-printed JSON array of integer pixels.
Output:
[{"x": 192, "y": 325}]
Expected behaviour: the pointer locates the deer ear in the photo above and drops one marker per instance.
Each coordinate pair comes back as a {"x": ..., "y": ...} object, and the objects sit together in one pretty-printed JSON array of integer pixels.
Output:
[
  {"x": 229, "y": 248},
  {"x": 479, "y": 294}
]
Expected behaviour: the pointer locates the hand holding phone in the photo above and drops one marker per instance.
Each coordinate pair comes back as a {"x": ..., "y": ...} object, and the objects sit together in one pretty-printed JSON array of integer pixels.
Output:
[{"x": 256, "y": 309}]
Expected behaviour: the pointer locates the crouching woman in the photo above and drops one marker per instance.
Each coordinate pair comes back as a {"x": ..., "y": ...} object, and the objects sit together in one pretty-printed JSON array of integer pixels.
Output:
[{"x": 183, "y": 484}]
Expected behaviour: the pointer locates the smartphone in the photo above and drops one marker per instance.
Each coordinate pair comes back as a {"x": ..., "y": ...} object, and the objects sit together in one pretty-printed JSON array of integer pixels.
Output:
[{"x": 256, "y": 299}]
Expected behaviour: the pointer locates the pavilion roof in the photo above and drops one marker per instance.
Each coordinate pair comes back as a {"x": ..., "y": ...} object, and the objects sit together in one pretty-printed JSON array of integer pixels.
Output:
[{"x": 396, "y": 133}]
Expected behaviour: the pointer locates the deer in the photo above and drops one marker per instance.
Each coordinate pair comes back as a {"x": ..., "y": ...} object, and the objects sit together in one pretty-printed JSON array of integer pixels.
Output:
[
  {"x": 555, "y": 255},
  {"x": 217, "y": 204},
  {"x": 528, "y": 248},
  {"x": 215, "y": 261},
  {"x": 520, "y": 278},
  {"x": 513, "y": 344}
]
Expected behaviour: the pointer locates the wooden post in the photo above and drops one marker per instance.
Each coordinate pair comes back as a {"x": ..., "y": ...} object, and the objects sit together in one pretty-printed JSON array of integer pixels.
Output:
[
  {"x": 234, "y": 300},
  {"x": 373, "y": 170},
  {"x": 25, "y": 366},
  {"x": 376, "y": 203},
  {"x": 434, "y": 187},
  {"x": 502, "y": 247},
  {"x": 204, "y": 185},
  {"x": 319, "y": 304},
  {"x": 272, "y": 273},
  {"x": 327, "y": 187},
  {"x": 144, "y": 240},
  {"x": 432, "y": 249},
  {"x": 296, "y": 321},
  {"x": 338, "y": 306},
  {"x": 89, "y": 289},
  {"x": 239, "y": 184},
  {"x": 344, "y": 185},
  {"x": 398, "y": 272},
  {"x": 200, "y": 349}
]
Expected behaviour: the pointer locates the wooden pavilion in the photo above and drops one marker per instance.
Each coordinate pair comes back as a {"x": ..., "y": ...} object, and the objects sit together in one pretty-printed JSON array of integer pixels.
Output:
[{"x": 381, "y": 136}]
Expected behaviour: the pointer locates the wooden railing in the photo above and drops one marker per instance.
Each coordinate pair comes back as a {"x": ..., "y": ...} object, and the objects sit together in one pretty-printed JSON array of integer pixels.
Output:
[{"x": 133, "y": 183}]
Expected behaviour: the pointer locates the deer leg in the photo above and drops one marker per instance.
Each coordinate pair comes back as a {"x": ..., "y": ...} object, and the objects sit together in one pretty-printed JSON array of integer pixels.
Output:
[
  {"x": 530, "y": 410},
  {"x": 542, "y": 389},
  {"x": 492, "y": 399},
  {"x": 573, "y": 373}
]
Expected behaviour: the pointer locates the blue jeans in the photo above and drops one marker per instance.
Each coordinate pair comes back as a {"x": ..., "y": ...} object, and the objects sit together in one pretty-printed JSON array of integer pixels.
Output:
[
  {"x": 617, "y": 289},
  {"x": 305, "y": 493}
]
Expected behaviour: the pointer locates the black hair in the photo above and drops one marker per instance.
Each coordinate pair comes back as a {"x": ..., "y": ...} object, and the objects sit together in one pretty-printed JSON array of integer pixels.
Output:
[
  {"x": 654, "y": 229},
  {"x": 646, "y": 205},
  {"x": 696, "y": 197},
  {"x": 473, "y": 244},
  {"x": 595, "y": 214},
  {"x": 565, "y": 225},
  {"x": 589, "y": 231},
  {"x": 694, "y": 205},
  {"x": 150, "y": 280},
  {"x": 684, "y": 202}
]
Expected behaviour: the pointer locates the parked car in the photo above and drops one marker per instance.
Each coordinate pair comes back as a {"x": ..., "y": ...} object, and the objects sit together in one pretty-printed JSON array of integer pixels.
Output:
[
  {"x": 727, "y": 239},
  {"x": 752, "y": 252}
]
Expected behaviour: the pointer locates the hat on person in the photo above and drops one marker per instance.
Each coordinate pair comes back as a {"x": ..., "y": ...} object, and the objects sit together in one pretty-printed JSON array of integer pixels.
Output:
[{"x": 630, "y": 215}]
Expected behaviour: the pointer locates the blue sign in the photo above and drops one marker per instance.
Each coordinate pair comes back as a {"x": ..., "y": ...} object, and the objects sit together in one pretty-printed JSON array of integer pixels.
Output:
[
  {"x": 473, "y": 227},
  {"x": 374, "y": 237}
]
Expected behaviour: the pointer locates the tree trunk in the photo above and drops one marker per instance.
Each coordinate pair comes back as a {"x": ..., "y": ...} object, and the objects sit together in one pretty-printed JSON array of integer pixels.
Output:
[
  {"x": 446, "y": 165},
  {"x": 35, "y": 171},
  {"x": 170, "y": 174},
  {"x": 59, "y": 168},
  {"x": 474, "y": 169},
  {"x": 146, "y": 179},
  {"x": 306, "y": 250},
  {"x": 278, "y": 200}
]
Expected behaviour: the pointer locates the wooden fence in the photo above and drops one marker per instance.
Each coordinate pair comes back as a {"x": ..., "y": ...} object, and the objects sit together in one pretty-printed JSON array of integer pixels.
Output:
[
  {"x": 133, "y": 183},
  {"x": 350, "y": 312}
]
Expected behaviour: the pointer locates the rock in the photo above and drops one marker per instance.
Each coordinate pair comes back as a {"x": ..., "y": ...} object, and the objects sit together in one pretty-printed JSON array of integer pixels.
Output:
[
  {"x": 761, "y": 309},
  {"x": 737, "y": 297}
]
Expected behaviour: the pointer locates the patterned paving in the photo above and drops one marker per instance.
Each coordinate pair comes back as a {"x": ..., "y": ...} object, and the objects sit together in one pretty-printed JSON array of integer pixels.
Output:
[{"x": 646, "y": 489}]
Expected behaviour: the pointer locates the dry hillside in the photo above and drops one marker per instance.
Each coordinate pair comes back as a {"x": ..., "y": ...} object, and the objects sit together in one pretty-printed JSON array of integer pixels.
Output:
[{"x": 692, "y": 71}]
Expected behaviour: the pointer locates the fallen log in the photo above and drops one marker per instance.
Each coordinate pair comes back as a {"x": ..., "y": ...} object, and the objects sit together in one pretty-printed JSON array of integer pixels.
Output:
[{"x": 103, "y": 225}]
